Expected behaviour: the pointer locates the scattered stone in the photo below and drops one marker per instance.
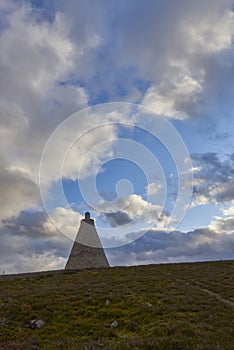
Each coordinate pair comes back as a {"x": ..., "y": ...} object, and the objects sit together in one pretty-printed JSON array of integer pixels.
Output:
[
  {"x": 107, "y": 302},
  {"x": 149, "y": 305},
  {"x": 6, "y": 299},
  {"x": 4, "y": 322},
  {"x": 114, "y": 324},
  {"x": 36, "y": 324}
]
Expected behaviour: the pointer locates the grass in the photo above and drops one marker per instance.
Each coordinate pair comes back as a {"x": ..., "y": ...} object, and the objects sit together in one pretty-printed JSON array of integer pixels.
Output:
[{"x": 156, "y": 307}]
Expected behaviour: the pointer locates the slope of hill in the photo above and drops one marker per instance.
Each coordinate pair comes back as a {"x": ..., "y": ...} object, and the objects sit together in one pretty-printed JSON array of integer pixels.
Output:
[{"x": 171, "y": 306}]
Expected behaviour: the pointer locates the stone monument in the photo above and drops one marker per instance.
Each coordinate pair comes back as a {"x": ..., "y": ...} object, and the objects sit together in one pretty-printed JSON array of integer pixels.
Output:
[{"x": 87, "y": 250}]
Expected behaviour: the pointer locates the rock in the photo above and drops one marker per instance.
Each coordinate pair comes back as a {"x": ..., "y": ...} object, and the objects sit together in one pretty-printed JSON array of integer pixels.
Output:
[
  {"x": 4, "y": 322},
  {"x": 107, "y": 302},
  {"x": 40, "y": 323},
  {"x": 149, "y": 305},
  {"x": 36, "y": 324},
  {"x": 114, "y": 324}
]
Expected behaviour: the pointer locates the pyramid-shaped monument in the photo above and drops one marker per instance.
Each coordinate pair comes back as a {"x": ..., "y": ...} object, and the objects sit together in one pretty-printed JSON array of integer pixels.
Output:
[{"x": 90, "y": 252}]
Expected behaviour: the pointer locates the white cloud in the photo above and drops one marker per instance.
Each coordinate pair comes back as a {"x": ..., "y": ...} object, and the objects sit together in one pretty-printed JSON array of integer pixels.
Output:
[
  {"x": 66, "y": 221},
  {"x": 35, "y": 56},
  {"x": 224, "y": 225},
  {"x": 205, "y": 36},
  {"x": 153, "y": 188},
  {"x": 32, "y": 263},
  {"x": 134, "y": 206},
  {"x": 191, "y": 63},
  {"x": 38, "y": 49},
  {"x": 87, "y": 155},
  {"x": 200, "y": 199},
  {"x": 17, "y": 191},
  {"x": 229, "y": 211},
  {"x": 165, "y": 99}
]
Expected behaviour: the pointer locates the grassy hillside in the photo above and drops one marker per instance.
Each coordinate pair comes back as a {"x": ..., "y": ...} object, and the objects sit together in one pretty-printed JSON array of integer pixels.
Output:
[{"x": 175, "y": 306}]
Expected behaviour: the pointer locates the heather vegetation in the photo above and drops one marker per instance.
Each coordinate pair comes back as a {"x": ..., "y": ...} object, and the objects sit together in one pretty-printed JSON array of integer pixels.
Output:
[{"x": 171, "y": 306}]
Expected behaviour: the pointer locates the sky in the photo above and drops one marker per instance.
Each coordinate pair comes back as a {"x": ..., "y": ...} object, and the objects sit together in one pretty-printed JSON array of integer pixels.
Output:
[{"x": 124, "y": 109}]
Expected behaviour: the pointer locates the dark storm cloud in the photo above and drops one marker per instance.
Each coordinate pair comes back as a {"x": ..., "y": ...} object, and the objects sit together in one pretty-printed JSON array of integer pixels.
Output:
[
  {"x": 26, "y": 244},
  {"x": 213, "y": 167},
  {"x": 27, "y": 223},
  {"x": 216, "y": 177},
  {"x": 116, "y": 219},
  {"x": 176, "y": 246}
]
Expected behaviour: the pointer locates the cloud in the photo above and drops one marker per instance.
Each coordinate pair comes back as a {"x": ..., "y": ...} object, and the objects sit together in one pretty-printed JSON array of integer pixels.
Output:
[
  {"x": 59, "y": 59},
  {"x": 36, "y": 245},
  {"x": 229, "y": 211},
  {"x": 190, "y": 65},
  {"x": 116, "y": 219},
  {"x": 213, "y": 179},
  {"x": 27, "y": 223},
  {"x": 132, "y": 207},
  {"x": 35, "y": 56},
  {"x": 221, "y": 225},
  {"x": 17, "y": 191},
  {"x": 224, "y": 224},
  {"x": 165, "y": 100},
  {"x": 30, "y": 242},
  {"x": 66, "y": 221},
  {"x": 38, "y": 58},
  {"x": 39, "y": 224},
  {"x": 224, "y": 191},
  {"x": 152, "y": 188},
  {"x": 186, "y": 72},
  {"x": 66, "y": 60},
  {"x": 176, "y": 246},
  {"x": 180, "y": 73}
]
